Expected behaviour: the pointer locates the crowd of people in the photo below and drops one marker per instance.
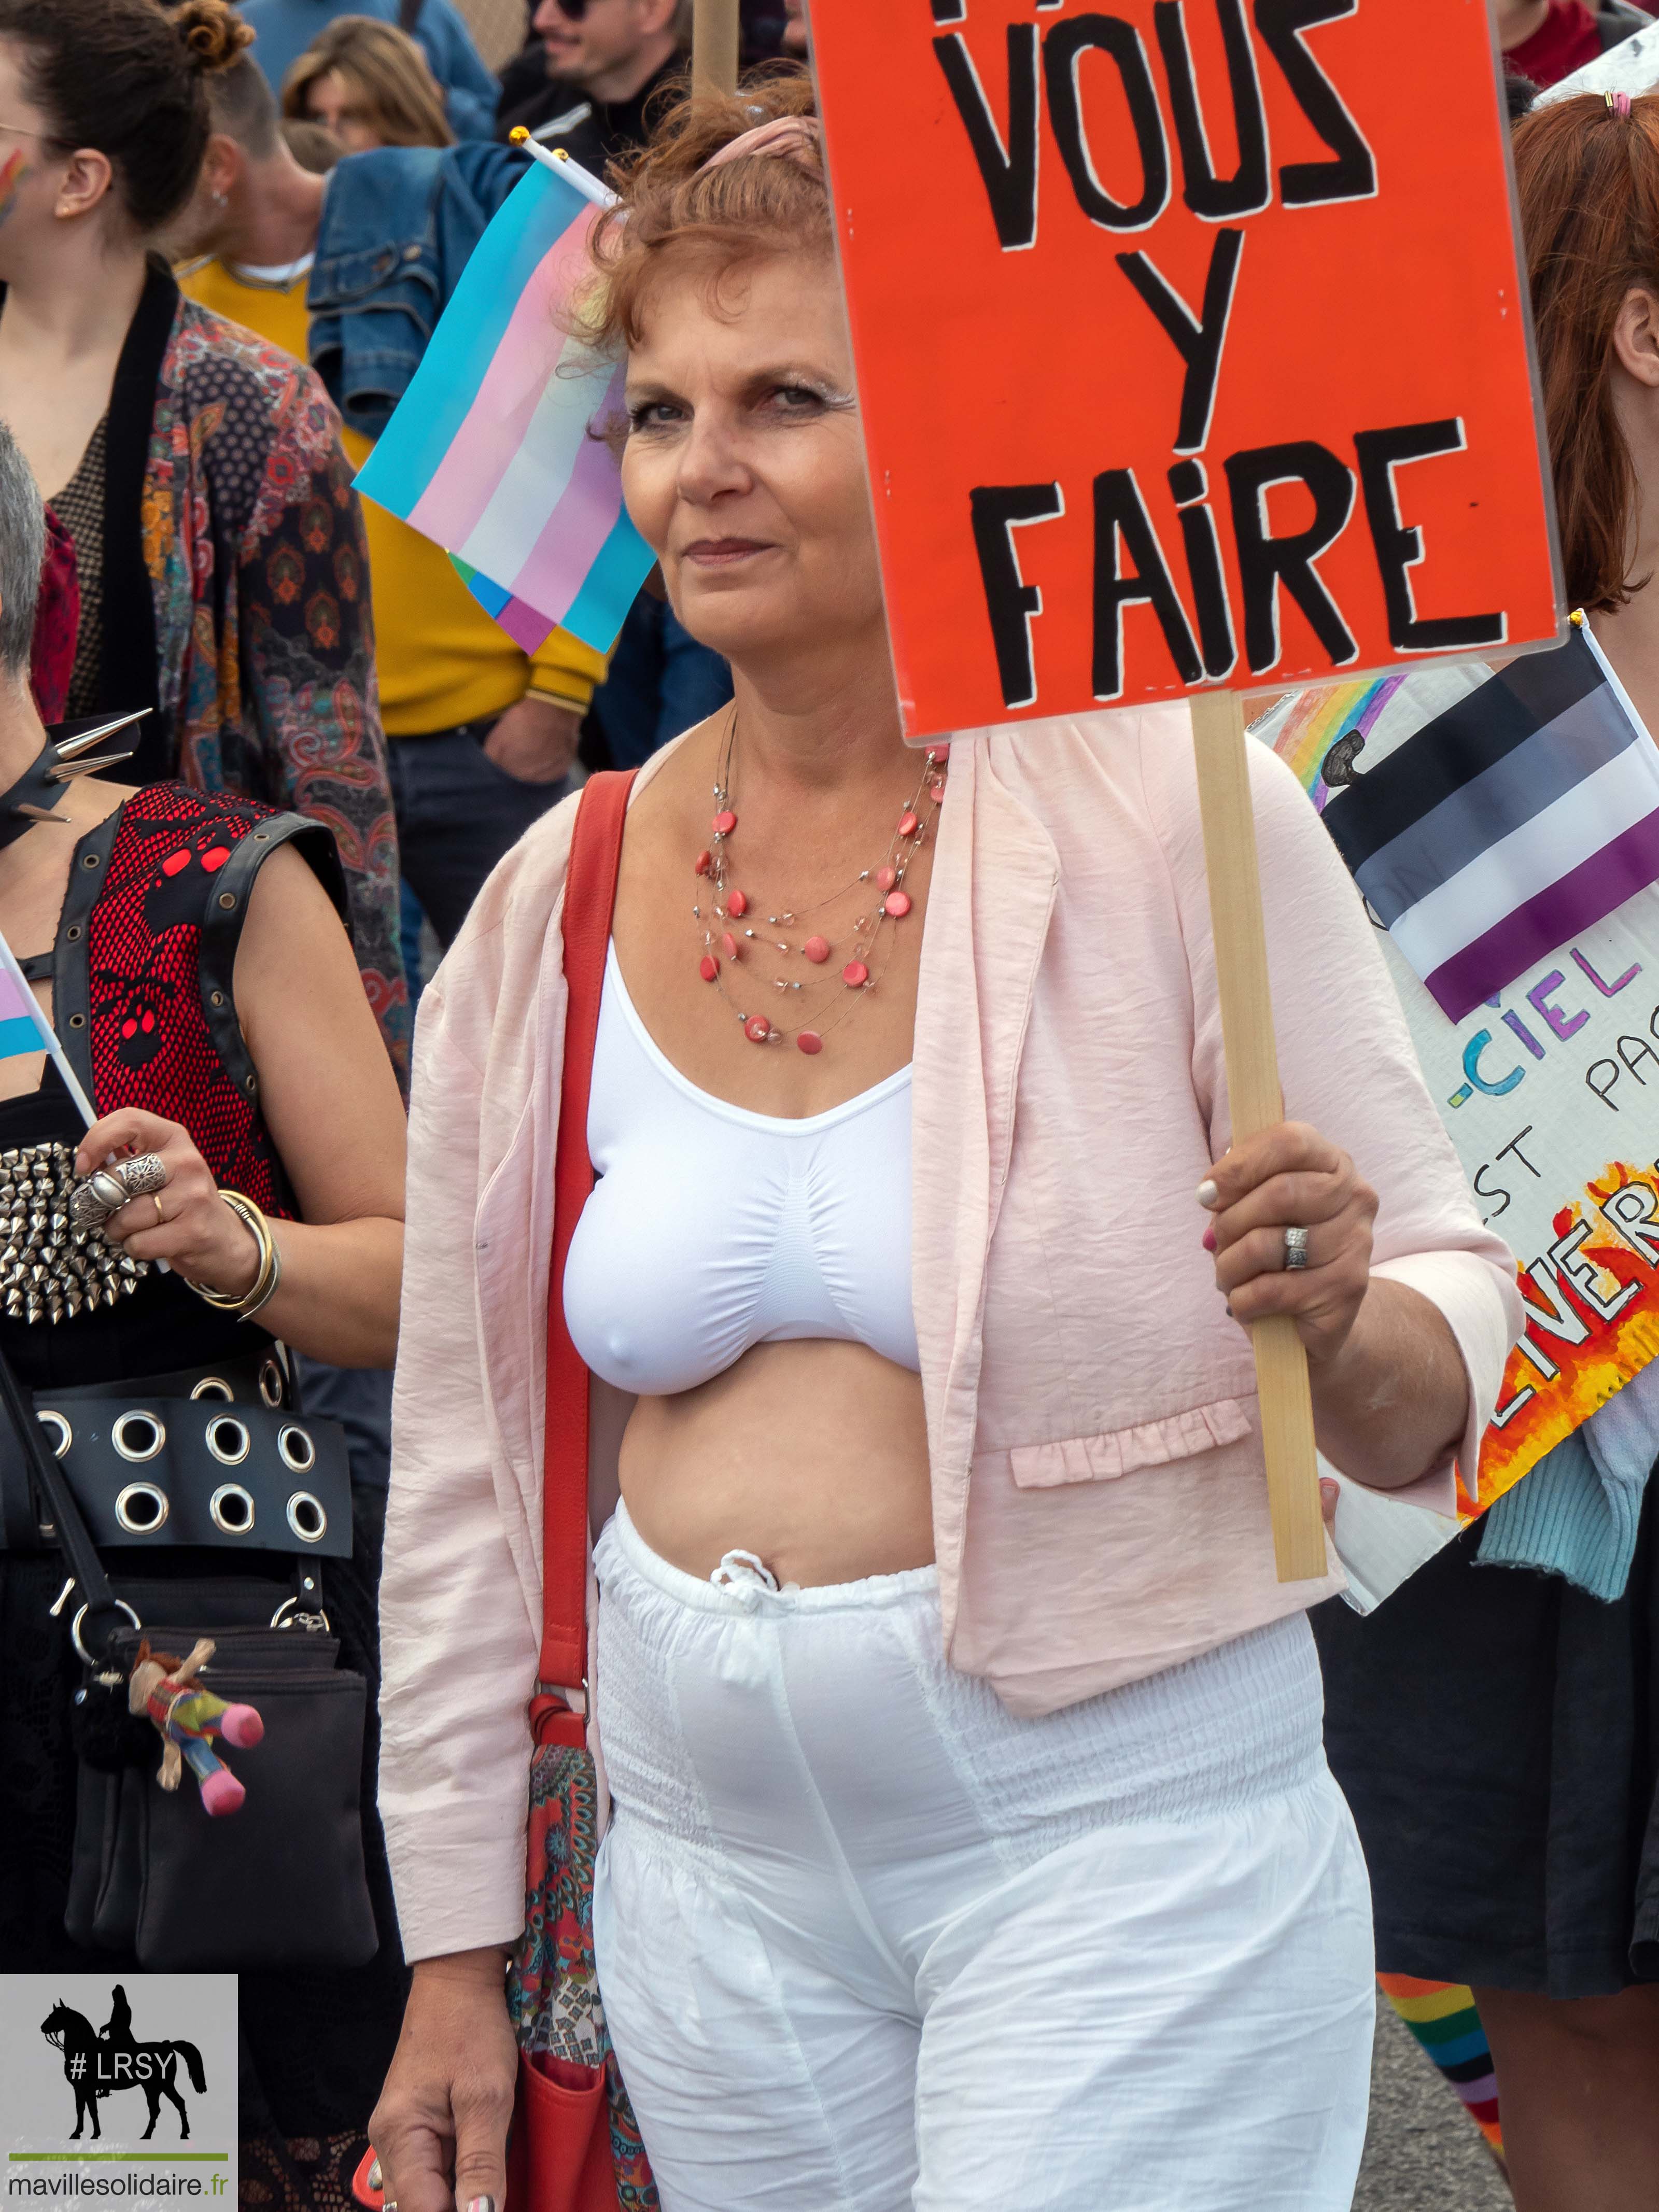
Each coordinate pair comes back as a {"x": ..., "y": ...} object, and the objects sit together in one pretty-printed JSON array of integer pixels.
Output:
[{"x": 976, "y": 1832}]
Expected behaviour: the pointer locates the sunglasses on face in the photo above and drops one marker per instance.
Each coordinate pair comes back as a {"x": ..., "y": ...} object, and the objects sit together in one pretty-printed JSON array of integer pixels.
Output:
[{"x": 573, "y": 12}]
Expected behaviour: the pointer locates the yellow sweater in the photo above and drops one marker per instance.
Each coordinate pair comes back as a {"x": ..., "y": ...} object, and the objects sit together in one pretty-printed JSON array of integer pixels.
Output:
[{"x": 441, "y": 659}]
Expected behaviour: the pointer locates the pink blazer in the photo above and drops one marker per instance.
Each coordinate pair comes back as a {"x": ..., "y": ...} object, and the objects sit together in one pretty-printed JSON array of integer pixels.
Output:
[{"x": 1099, "y": 1504}]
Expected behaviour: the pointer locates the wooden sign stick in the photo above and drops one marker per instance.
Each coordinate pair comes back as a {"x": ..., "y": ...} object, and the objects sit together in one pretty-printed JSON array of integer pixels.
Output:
[
  {"x": 714, "y": 45},
  {"x": 1246, "y": 1030}
]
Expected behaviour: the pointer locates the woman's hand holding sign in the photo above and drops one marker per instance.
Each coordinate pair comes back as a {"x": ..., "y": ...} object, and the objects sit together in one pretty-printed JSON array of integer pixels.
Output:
[
  {"x": 1291, "y": 1230},
  {"x": 1285, "y": 1178}
]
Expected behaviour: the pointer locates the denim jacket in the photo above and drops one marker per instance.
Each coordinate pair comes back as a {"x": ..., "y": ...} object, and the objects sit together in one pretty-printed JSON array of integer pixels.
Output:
[{"x": 397, "y": 227}]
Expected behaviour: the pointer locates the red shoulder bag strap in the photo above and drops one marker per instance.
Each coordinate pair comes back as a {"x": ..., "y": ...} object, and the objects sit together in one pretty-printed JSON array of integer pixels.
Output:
[{"x": 590, "y": 896}]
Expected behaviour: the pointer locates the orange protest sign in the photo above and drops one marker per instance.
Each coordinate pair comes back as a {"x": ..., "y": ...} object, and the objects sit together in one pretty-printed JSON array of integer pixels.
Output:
[{"x": 1192, "y": 343}]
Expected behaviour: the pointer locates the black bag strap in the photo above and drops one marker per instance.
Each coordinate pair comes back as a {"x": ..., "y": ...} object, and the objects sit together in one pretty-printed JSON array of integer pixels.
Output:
[
  {"x": 105, "y": 1616},
  {"x": 409, "y": 13}
]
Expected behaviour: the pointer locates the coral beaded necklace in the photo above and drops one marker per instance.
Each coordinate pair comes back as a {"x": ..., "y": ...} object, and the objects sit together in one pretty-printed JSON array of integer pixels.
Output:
[{"x": 730, "y": 933}]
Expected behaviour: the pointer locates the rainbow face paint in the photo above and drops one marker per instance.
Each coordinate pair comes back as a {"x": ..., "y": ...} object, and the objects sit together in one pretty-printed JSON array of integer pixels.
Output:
[{"x": 12, "y": 170}]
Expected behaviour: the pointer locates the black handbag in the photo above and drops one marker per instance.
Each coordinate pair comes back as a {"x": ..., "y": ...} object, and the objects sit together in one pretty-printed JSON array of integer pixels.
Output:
[{"x": 280, "y": 1883}]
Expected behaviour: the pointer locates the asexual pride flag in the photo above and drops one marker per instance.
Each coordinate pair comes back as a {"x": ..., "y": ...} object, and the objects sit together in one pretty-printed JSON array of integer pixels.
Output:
[
  {"x": 1520, "y": 816},
  {"x": 491, "y": 450}
]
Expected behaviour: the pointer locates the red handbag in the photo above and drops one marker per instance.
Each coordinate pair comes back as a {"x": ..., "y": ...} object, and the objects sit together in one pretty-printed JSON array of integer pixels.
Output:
[{"x": 574, "y": 2146}]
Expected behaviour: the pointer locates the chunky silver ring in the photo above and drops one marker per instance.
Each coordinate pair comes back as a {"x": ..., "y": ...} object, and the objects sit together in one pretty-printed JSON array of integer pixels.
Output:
[
  {"x": 1296, "y": 1249},
  {"x": 140, "y": 1176},
  {"x": 92, "y": 1202},
  {"x": 107, "y": 1190}
]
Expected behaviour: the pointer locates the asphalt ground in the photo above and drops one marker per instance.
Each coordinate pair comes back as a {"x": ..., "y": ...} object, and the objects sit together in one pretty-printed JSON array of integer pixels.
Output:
[{"x": 1423, "y": 2154}]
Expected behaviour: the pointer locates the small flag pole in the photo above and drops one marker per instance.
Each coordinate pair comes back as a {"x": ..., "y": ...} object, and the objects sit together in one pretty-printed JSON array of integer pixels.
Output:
[
  {"x": 1247, "y": 1031},
  {"x": 714, "y": 46},
  {"x": 48, "y": 1035},
  {"x": 561, "y": 164}
]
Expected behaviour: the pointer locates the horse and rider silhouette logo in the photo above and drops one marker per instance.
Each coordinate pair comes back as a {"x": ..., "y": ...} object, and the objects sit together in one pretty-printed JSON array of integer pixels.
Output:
[{"x": 102, "y": 2062}]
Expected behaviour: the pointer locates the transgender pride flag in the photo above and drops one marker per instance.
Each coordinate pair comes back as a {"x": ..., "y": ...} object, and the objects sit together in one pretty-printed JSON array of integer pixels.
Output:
[
  {"x": 490, "y": 451},
  {"x": 24, "y": 1028},
  {"x": 1519, "y": 816}
]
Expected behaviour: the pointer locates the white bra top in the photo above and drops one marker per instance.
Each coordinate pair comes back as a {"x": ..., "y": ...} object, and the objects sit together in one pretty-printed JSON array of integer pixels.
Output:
[{"x": 712, "y": 1229}]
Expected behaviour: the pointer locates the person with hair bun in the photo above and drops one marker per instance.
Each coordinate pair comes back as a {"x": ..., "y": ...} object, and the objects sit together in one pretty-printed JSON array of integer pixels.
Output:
[
  {"x": 223, "y": 569},
  {"x": 972, "y": 1845},
  {"x": 1495, "y": 1723}
]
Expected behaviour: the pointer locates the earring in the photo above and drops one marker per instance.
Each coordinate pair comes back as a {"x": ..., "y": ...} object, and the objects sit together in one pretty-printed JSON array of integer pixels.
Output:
[{"x": 218, "y": 199}]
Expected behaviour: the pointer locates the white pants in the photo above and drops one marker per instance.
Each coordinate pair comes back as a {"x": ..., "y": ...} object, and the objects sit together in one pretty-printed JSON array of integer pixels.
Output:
[{"x": 866, "y": 1940}]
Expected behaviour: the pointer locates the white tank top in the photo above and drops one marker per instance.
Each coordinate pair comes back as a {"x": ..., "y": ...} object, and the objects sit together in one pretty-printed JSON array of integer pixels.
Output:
[{"x": 712, "y": 1229}]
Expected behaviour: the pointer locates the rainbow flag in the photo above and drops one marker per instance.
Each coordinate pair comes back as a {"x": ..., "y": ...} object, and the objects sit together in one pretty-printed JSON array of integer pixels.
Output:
[
  {"x": 492, "y": 451},
  {"x": 1442, "y": 2017},
  {"x": 1315, "y": 720}
]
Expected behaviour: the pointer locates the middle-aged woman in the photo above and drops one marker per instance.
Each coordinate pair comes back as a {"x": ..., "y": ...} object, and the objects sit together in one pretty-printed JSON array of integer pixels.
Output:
[
  {"x": 1495, "y": 1723},
  {"x": 187, "y": 947},
  {"x": 973, "y": 1843},
  {"x": 223, "y": 567},
  {"x": 370, "y": 84}
]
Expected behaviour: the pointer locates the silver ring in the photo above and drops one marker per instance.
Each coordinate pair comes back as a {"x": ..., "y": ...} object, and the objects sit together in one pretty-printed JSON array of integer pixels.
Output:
[
  {"x": 1296, "y": 1250},
  {"x": 143, "y": 1175},
  {"x": 121, "y": 1606},
  {"x": 107, "y": 1190},
  {"x": 93, "y": 1201}
]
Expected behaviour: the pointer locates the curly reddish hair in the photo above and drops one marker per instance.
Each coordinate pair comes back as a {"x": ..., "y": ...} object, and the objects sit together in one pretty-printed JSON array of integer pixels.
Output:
[
  {"x": 1590, "y": 209},
  {"x": 669, "y": 204}
]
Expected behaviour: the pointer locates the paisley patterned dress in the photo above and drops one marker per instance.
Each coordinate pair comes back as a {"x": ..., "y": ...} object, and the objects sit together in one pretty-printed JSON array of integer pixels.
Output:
[{"x": 234, "y": 592}]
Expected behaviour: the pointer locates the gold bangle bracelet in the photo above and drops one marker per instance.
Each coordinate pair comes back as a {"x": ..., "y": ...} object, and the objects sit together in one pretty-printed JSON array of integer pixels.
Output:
[{"x": 269, "y": 1274}]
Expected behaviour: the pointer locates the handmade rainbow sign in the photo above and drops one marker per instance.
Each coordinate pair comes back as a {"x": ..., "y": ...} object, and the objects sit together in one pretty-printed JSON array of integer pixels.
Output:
[
  {"x": 494, "y": 450},
  {"x": 1192, "y": 343},
  {"x": 1549, "y": 1085}
]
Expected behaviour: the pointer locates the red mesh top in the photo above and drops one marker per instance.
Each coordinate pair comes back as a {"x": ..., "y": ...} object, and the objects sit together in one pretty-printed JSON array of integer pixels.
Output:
[{"x": 161, "y": 943}]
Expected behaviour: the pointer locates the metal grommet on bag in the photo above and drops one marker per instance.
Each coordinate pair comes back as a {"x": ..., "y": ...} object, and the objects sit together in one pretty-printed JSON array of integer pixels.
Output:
[
  {"x": 232, "y": 1508},
  {"x": 298, "y": 1451},
  {"x": 56, "y": 1424},
  {"x": 229, "y": 1439},
  {"x": 121, "y": 1435},
  {"x": 140, "y": 1508},
  {"x": 308, "y": 1516},
  {"x": 213, "y": 1386},
  {"x": 271, "y": 1387},
  {"x": 74, "y": 1627}
]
